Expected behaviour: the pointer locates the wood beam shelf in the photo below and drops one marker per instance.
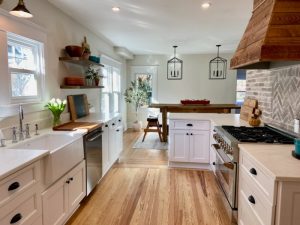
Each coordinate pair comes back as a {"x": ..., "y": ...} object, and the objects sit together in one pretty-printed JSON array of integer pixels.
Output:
[
  {"x": 80, "y": 87},
  {"x": 79, "y": 61}
]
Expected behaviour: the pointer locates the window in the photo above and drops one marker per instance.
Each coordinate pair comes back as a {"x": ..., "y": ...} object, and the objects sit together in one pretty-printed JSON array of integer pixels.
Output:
[
  {"x": 146, "y": 77},
  {"x": 241, "y": 86},
  {"x": 111, "y": 93},
  {"x": 25, "y": 63}
]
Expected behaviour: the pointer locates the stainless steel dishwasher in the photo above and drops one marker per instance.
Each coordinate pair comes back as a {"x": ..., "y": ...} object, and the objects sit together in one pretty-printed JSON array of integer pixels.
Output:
[{"x": 93, "y": 157}]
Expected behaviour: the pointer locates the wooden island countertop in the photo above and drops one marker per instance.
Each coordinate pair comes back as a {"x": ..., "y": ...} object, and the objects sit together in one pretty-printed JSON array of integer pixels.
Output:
[{"x": 180, "y": 108}]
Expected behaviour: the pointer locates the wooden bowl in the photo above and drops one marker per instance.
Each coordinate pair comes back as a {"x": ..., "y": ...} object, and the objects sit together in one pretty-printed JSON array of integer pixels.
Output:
[{"x": 74, "y": 50}]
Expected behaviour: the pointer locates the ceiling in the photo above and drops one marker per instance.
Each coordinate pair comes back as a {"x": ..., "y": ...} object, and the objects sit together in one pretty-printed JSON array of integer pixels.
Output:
[{"x": 154, "y": 26}]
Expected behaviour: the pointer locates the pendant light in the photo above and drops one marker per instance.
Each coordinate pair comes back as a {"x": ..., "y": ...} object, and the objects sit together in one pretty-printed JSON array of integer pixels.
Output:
[
  {"x": 175, "y": 67},
  {"x": 217, "y": 67},
  {"x": 21, "y": 11}
]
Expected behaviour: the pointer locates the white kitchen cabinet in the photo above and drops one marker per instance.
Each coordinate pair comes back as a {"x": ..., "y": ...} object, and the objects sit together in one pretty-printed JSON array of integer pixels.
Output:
[
  {"x": 62, "y": 198},
  {"x": 189, "y": 141},
  {"x": 105, "y": 149},
  {"x": 262, "y": 199},
  {"x": 21, "y": 196},
  {"x": 179, "y": 144},
  {"x": 212, "y": 152}
]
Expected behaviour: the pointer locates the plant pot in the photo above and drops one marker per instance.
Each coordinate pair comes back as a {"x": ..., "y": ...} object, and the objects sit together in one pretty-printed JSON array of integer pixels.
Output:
[
  {"x": 137, "y": 126},
  {"x": 96, "y": 81}
]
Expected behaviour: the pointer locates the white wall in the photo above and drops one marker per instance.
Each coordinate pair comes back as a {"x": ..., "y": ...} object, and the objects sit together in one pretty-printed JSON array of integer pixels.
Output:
[
  {"x": 195, "y": 83},
  {"x": 61, "y": 30}
]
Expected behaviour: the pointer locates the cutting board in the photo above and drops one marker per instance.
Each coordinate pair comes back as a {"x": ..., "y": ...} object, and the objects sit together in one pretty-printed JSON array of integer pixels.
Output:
[
  {"x": 246, "y": 112},
  {"x": 78, "y": 106},
  {"x": 70, "y": 126}
]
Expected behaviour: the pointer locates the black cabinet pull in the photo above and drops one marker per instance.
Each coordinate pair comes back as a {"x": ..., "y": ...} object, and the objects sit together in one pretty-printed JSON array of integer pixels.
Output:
[
  {"x": 16, "y": 218},
  {"x": 119, "y": 120},
  {"x": 253, "y": 171},
  {"x": 191, "y": 133},
  {"x": 189, "y": 125},
  {"x": 251, "y": 199},
  {"x": 14, "y": 186},
  {"x": 71, "y": 179},
  {"x": 118, "y": 130},
  {"x": 214, "y": 163},
  {"x": 113, "y": 124},
  {"x": 106, "y": 125},
  {"x": 67, "y": 181},
  {"x": 187, "y": 133}
]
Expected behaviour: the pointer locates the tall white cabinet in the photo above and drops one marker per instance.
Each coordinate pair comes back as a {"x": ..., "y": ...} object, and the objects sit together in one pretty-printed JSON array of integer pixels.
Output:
[{"x": 189, "y": 143}]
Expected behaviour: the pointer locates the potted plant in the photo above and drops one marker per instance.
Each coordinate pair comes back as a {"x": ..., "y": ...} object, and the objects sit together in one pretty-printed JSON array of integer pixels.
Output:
[
  {"x": 56, "y": 106},
  {"x": 138, "y": 95},
  {"x": 92, "y": 74}
]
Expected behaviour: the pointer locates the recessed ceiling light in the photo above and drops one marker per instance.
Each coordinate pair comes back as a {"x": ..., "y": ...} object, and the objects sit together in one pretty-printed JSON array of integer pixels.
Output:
[
  {"x": 206, "y": 5},
  {"x": 115, "y": 9}
]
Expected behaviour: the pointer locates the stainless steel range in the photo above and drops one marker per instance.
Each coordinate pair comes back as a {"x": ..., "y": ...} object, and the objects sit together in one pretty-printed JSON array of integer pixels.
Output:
[{"x": 227, "y": 139}]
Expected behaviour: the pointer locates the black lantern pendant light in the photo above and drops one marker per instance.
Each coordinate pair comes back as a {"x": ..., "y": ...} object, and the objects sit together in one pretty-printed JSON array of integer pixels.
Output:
[
  {"x": 217, "y": 67},
  {"x": 21, "y": 11},
  {"x": 175, "y": 67}
]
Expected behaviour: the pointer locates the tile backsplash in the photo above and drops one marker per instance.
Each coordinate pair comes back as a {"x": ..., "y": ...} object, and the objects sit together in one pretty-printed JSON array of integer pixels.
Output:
[{"x": 278, "y": 94}]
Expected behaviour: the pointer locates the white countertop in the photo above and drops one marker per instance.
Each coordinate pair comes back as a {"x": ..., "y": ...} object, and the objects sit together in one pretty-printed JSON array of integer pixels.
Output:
[
  {"x": 98, "y": 117},
  {"x": 12, "y": 160},
  {"x": 276, "y": 159},
  {"x": 217, "y": 119}
]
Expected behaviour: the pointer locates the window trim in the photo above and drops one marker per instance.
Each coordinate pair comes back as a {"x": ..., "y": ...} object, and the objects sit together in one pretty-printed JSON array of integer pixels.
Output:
[{"x": 39, "y": 73}]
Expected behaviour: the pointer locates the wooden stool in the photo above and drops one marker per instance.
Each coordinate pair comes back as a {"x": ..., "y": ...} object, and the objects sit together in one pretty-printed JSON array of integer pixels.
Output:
[{"x": 153, "y": 122}]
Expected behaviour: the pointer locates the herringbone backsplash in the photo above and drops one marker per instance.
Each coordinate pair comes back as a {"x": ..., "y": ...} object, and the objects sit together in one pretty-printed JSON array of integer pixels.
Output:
[{"x": 278, "y": 94}]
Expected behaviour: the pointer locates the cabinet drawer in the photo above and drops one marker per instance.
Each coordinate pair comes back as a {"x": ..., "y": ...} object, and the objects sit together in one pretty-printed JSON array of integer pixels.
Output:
[
  {"x": 19, "y": 182},
  {"x": 189, "y": 124},
  {"x": 261, "y": 179},
  {"x": 24, "y": 210},
  {"x": 246, "y": 215},
  {"x": 260, "y": 206}
]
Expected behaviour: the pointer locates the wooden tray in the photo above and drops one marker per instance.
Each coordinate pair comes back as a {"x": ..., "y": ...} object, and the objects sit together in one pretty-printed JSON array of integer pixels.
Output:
[{"x": 71, "y": 126}]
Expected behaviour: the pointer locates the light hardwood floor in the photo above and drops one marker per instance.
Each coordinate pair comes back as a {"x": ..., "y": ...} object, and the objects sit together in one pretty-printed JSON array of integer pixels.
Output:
[{"x": 142, "y": 190}]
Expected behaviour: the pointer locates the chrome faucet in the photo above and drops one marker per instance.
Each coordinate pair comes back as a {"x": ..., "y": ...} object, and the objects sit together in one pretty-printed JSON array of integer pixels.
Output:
[
  {"x": 14, "y": 135},
  {"x": 21, "y": 117}
]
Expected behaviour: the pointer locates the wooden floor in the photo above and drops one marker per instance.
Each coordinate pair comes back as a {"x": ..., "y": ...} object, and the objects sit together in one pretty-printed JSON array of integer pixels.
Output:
[{"x": 141, "y": 190}]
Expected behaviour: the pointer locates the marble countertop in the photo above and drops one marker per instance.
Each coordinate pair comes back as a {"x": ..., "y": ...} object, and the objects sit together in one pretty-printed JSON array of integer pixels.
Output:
[
  {"x": 218, "y": 119},
  {"x": 276, "y": 159}
]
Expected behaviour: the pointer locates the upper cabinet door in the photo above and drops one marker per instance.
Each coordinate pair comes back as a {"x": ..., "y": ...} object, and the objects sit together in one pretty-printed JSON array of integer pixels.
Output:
[
  {"x": 199, "y": 146},
  {"x": 179, "y": 145}
]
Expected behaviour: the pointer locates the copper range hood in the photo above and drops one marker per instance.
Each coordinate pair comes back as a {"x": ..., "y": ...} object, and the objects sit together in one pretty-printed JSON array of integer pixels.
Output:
[{"x": 272, "y": 35}]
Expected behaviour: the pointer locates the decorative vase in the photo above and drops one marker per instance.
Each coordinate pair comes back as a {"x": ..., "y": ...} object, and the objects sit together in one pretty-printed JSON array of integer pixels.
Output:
[
  {"x": 56, "y": 120},
  {"x": 137, "y": 125}
]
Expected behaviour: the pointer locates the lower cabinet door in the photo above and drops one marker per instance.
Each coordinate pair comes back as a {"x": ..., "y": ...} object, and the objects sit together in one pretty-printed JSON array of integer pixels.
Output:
[
  {"x": 179, "y": 141},
  {"x": 55, "y": 203},
  {"x": 76, "y": 186},
  {"x": 199, "y": 146},
  {"x": 105, "y": 150}
]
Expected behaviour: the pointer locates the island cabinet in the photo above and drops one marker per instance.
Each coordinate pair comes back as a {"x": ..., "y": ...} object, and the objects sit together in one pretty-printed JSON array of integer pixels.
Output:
[
  {"x": 263, "y": 200},
  {"x": 189, "y": 142}
]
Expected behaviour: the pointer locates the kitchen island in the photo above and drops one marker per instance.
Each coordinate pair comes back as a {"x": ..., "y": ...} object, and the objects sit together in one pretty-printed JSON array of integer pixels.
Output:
[{"x": 180, "y": 108}]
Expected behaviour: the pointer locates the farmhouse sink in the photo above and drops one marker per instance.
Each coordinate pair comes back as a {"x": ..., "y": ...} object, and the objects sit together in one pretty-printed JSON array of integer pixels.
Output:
[
  {"x": 66, "y": 151},
  {"x": 51, "y": 142}
]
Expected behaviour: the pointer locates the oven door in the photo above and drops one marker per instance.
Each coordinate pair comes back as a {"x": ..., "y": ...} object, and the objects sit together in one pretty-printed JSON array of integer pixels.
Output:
[{"x": 226, "y": 172}]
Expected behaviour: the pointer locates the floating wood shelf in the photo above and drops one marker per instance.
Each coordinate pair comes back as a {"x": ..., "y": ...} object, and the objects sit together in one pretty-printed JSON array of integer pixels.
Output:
[
  {"x": 80, "y": 87},
  {"x": 79, "y": 61}
]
